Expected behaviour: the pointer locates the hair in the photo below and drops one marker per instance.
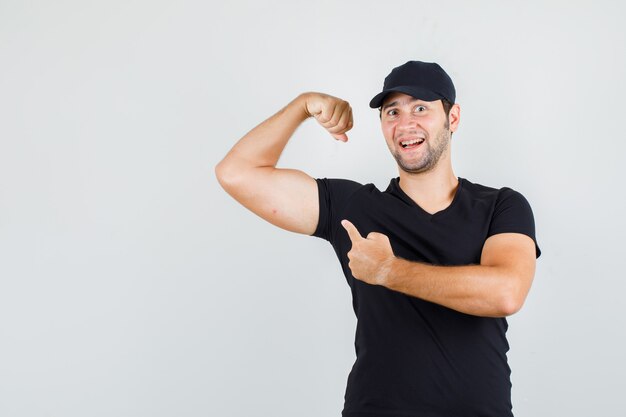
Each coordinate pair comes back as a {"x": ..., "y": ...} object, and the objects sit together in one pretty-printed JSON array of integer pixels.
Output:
[{"x": 447, "y": 105}]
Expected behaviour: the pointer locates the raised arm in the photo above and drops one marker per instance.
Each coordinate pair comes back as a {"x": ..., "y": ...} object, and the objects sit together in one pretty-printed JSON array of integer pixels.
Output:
[{"x": 286, "y": 198}]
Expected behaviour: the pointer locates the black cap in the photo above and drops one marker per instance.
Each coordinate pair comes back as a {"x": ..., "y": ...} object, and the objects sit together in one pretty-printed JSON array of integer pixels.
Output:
[{"x": 423, "y": 80}]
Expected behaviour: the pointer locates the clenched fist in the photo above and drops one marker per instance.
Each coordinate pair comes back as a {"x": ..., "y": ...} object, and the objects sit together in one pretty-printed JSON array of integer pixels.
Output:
[{"x": 333, "y": 113}]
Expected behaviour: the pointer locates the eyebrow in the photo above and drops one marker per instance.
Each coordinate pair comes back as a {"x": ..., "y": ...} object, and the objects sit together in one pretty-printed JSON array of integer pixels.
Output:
[{"x": 395, "y": 103}]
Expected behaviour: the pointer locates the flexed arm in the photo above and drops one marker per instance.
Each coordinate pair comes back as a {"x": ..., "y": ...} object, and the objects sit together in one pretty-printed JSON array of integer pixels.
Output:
[{"x": 286, "y": 198}]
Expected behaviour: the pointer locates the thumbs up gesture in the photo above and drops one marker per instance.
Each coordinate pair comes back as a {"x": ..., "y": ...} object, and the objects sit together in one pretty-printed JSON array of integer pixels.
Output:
[{"x": 370, "y": 257}]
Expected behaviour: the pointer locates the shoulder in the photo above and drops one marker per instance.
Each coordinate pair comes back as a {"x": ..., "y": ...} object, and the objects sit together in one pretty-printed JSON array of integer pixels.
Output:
[
  {"x": 339, "y": 191},
  {"x": 338, "y": 196},
  {"x": 338, "y": 183},
  {"x": 510, "y": 210},
  {"x": 479, "y": 190},
  {"x": 497, "y": 195},
  {"x": 336, "y": 189}
]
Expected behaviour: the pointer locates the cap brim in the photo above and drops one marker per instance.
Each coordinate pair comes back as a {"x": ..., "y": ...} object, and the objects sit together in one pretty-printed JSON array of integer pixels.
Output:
[{"x": 416, "y": 92}]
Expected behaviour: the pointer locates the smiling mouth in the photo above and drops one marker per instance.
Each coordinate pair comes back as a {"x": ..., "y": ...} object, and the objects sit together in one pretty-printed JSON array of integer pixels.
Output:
[{"x": 406, "y": 144}]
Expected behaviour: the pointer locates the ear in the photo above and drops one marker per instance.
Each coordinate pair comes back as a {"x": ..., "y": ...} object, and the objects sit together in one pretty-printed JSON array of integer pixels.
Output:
[{"x": 454, "y": 117}]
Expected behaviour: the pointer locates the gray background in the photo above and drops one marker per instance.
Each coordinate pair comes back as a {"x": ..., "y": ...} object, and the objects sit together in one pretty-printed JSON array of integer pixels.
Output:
[{"x": 132, "y": 285}]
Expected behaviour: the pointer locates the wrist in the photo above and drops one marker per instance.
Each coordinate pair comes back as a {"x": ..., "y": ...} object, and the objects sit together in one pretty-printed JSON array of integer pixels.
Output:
[
  {"x": 302, "y": 102},
  {"x": 389, "y": 272}
]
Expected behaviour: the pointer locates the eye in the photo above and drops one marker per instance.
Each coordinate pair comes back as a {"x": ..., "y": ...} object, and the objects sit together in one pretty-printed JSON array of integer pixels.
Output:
[
  {"x": 420, "y": 109},
  {"x": 392, "y": 112}
]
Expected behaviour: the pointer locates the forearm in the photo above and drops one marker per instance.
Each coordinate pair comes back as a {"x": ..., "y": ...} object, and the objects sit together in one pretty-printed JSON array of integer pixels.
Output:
[
  {"x": 263, "y": 145},
  {"x": 495, "y": 288},
  {"x": 478, "y": 290},
  {"x": 287, "y": 198}
]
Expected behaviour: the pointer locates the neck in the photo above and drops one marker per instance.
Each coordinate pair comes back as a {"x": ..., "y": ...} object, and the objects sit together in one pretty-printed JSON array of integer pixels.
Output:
[{"x": 432, "y": 190}]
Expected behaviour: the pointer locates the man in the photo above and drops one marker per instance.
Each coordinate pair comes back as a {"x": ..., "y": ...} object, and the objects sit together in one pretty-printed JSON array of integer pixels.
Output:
[{"x": 435, "y": 262}]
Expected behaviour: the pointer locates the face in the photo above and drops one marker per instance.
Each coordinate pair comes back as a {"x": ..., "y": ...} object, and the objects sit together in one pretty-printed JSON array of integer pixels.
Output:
[{"x": 417, "y": 132}]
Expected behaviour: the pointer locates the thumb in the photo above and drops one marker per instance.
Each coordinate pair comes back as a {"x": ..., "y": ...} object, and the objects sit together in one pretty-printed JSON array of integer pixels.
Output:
[
  {"x": 376, "y": 236},
  {"x": 342, "y": 136},
  {"x": 352, "y": 230}
]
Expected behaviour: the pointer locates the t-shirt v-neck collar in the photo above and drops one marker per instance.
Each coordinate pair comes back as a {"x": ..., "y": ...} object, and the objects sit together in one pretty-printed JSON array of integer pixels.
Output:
[{"x": 394, "y": 188}]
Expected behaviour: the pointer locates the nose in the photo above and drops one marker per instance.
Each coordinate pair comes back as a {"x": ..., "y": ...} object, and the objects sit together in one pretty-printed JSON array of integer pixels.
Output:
[{"x": 407, "y": 121}]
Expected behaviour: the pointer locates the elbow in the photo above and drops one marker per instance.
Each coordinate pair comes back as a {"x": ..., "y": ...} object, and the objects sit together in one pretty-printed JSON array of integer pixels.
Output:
[
  {"x": 509, "y": 306},
  {"x": 511, "y": 294},
  {"x": 221, "y": 173},
  {"x": 511, "y": 301},
  {"x": 235, "y": 173},
  {"x": 226, "y": 175}
]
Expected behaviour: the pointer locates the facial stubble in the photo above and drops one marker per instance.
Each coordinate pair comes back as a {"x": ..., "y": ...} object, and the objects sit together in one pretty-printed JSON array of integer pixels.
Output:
[{"x": 432, "y": 153}]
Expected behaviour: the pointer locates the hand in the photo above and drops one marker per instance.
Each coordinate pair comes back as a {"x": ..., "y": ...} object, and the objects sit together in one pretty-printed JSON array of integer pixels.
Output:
[
  {"x": 333, "y": 113},
  {"x": 371, "y": 257}
]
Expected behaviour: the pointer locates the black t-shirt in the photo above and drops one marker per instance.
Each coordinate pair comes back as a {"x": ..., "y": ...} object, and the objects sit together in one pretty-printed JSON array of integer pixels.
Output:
[{"x": 415, "y": 358}]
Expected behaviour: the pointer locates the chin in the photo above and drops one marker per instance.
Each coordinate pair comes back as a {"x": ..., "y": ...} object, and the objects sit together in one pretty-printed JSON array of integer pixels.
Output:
[
  {"x": 418, "y": 170},
  {"x": 414, "y": 168}
]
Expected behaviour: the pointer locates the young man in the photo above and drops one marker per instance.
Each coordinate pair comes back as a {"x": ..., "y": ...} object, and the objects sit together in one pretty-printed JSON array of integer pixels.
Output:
[{"x": 435, "y": 262}]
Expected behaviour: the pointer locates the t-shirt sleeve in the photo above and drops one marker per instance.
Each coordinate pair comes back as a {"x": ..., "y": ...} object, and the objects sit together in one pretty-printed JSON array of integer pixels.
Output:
[
  {"x": 334, "y": 195},
  {"x": 513, "y": 214}
]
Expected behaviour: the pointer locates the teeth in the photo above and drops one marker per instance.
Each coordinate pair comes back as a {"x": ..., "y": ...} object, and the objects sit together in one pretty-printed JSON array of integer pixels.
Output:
[{"x": 411, "y": 142}]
